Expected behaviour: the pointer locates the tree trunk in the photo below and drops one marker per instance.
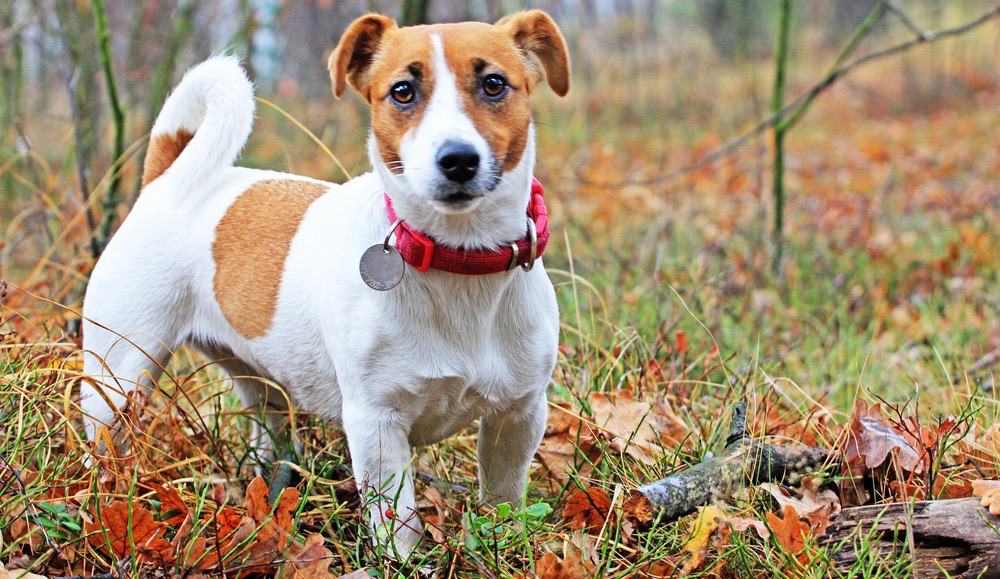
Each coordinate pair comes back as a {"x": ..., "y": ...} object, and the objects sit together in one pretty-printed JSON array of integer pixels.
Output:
[{"x": 955, "y": 538}]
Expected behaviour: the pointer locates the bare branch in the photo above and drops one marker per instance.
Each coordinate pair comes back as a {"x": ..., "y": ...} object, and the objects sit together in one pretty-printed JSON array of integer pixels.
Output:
[
  {"x": 837, "y": 73},
  {"x": 905, "y": 19}
]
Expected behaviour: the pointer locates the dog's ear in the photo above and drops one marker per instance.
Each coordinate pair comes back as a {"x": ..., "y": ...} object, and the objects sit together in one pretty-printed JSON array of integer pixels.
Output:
[
  {"x": 538, "y": 37},
  {"x": 350, "y": 61}
]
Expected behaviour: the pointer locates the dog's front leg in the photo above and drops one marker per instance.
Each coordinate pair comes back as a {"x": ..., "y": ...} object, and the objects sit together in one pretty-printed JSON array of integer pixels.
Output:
[
  {"x": 380, "y": 459},
  {"x": 506, "y": 444}
]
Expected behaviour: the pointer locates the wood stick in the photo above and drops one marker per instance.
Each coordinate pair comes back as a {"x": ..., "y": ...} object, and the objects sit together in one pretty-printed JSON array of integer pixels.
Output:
[
  {"x": 743, "y": 462},
  {"x": 955, "y": 538}
]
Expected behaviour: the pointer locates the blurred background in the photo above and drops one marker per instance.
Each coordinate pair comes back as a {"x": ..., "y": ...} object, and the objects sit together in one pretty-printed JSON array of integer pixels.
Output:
[{"x": 891, "y": 177}]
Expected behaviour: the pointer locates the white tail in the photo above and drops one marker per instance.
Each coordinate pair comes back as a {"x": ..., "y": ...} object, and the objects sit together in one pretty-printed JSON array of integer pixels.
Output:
[{"x": 203, "y": 125}]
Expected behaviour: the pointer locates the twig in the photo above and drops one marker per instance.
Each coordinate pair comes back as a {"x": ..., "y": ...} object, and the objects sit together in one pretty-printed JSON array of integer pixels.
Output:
[
  {"x": 32, "y": 513},
  {"x": 905, "y": 19},
  {"x": 744, "y": 461},
  {"x": 765, "y": 123},
  {"x": 430, "y": 479}
]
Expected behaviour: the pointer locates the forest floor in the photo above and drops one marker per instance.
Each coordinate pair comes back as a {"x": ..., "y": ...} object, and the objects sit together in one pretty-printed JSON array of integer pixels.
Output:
[{"x": 880, "y": 342}]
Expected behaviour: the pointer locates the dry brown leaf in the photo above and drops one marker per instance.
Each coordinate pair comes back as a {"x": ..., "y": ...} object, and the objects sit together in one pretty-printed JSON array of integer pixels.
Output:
[
  {"x": 173, "y": 511},
  {"x": 549, "y": 566},
  {"x": 989, "y": 493},
  {"x": 789, "y": 532},
  {"x": 741, "y": 524},
  {"x": 122, "y": 525},
  {"x": 564, "y": 434},
  {"x": 633, "y": 426},
  {"x": 258, "y": 508},
  {"x": 587, "y": 509},
  {"x": 434, "y": 521},
  {"x": 227, "y": 520},
  {"x": 700, "y": 530},
  {"x": 871, "y": 439},
  {"x": 816, "y": 505},
  {"x": 311, "y": 562}
]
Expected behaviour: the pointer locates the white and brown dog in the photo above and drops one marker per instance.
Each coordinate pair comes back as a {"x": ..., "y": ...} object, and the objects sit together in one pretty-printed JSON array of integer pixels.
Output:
[{"x": 260, "y": 269}]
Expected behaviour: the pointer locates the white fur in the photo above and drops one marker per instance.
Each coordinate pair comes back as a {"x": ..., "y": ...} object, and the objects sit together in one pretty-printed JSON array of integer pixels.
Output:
[{"x": 405, "y": 367}]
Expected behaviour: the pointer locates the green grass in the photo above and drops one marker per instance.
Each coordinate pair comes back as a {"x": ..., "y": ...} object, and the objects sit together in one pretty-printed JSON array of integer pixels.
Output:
[{"x": 890, "y": 294}]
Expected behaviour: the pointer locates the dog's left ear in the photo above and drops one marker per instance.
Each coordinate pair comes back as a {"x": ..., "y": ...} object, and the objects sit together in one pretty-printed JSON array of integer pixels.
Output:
[
  {"x": 538, "y": 37},
  {"x": 350, "y": 61}
]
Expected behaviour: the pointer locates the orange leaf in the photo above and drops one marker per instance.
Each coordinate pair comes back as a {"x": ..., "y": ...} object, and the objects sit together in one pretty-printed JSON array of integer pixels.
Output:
[
  {"x": 587, "y": 509},
  {"x": 256, "y": 499},
  {"x": 114, "y": 529},
  {"x": 682, "y": 343},
  {"x": 549, "y": 566},
  {"x": 789, "y": 532},
  {"x": 312, "y": 561},
  {"x": 171, "y": 504}
]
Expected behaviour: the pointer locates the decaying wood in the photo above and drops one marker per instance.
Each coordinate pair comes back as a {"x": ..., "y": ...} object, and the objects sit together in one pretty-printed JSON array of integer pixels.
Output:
[
  {"x": 743, "y": 462},
  {"x": 952, "y": 538}
]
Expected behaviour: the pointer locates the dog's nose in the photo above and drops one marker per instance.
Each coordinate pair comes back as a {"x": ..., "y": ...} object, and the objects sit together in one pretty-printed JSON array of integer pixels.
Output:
[{"x": 458, "y": 161}]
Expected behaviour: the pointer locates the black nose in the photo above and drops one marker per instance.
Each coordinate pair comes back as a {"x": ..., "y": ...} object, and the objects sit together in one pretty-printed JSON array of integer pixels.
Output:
[{"x": 458, "y": 161}]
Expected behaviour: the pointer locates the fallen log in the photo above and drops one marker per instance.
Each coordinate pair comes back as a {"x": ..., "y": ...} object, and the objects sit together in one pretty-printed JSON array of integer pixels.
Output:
[
  {"x": 743, "y": 462},
  {"x": 950, "y": 538}
]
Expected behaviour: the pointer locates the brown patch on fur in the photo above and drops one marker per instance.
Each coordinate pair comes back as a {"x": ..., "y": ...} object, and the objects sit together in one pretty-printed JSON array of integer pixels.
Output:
[
  {"x": 473, "y": 51},
  {"x": 163, "y": 150},
  {"x": 538, "y": 37},
  {"x": 374, "y": 54},
  {"x": 250, "y": 248}
]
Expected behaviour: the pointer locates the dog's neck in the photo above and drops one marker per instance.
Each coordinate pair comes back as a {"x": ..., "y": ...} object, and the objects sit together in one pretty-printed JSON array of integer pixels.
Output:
[{"x": 498, "y": 220}]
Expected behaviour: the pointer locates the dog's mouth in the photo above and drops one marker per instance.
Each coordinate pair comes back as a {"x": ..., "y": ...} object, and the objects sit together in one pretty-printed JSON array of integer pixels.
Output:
[{"x": 457, "y": 198}]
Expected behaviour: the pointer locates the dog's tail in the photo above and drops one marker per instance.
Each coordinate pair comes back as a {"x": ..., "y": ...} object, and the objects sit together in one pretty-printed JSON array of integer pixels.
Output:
[{"x": 203, "y": 125}]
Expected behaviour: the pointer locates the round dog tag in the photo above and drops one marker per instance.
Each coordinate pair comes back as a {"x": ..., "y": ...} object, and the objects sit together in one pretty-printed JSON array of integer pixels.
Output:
[{"x": 382, "y": 267}]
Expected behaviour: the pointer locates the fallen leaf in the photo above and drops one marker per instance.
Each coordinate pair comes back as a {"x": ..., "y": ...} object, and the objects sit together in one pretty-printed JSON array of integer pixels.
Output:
[
  {"x": 549, "y": 566},
  {"x": 871, "y": 439},
  {"x": 989, "y": 493},
  {"x": 173, "y": 511},
  {"x": 741, "y": 524},
  {"x": 816, "y": 505},
  {"x": 699, "y": 531},
  {"x": 789, "y": 532},
  {"x": 633, "y": 427},
  {"x": 587, "y": 509},
  {"x": 258, "y": 508},
  {"x": 565, "y": 435},
  {"x": 122, "y": 525},
  {"x": 311, "y": 562}
]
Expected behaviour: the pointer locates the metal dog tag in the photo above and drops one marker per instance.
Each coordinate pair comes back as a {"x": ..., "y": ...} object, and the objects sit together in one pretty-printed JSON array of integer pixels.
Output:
[{"x": 382, "y": 267}]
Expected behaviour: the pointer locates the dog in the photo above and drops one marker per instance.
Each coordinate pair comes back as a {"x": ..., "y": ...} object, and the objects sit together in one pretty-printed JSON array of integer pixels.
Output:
[{"x": 402, "y": 305}]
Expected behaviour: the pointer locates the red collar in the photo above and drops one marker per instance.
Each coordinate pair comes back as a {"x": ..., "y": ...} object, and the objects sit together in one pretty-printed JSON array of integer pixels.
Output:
[{"x": 421, "y": 252}]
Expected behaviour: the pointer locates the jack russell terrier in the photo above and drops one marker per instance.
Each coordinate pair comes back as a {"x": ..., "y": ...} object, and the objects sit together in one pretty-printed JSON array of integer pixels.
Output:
[{"x": 403, "y": 304}]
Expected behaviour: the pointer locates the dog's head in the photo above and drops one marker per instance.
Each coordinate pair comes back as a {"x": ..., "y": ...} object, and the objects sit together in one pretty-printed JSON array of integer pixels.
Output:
[{"x": 450, "y": 111}]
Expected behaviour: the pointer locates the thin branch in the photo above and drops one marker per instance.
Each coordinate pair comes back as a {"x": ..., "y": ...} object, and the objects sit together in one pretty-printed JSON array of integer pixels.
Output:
[
  {"x": 765, "y": 123},
  {"x": 863, "y": 30},
  {"x": 905, "y": 19}
]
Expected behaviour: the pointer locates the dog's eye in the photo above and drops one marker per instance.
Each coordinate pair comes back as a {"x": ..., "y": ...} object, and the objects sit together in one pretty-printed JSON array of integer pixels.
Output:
[
  {"x": 402, "y": 92},
  {"x": 494, "y": 85}
]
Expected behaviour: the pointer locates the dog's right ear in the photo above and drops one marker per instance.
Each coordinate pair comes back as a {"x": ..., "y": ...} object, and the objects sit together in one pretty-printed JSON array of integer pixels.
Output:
[{"x": 350, "y": 61}]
